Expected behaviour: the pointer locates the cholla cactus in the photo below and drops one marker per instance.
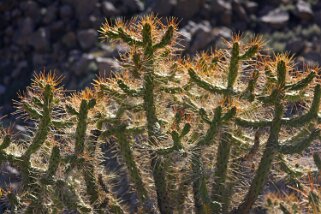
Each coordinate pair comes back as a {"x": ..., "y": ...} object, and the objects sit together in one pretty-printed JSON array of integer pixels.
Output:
[{"x": 181, "y": 128}]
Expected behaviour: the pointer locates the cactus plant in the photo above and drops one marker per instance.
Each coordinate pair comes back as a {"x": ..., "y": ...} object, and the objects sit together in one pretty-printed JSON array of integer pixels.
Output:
[{"x": 180, "y": 128}]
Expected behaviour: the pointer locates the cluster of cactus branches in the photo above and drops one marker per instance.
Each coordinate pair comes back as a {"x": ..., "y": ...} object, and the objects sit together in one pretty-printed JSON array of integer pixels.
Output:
[{"x": 182, "y": 128}]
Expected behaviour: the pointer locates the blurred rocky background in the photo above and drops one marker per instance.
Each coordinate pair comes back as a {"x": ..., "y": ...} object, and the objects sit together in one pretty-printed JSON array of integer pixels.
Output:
[{"x": 62, "y": 34}]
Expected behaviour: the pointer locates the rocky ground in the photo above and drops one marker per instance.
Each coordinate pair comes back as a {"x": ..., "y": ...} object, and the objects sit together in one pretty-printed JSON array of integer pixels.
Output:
[{"x": 62, "y": 34}]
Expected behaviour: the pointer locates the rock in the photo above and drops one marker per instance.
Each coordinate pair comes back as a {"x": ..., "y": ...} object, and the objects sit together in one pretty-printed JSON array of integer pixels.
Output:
[
  {"x": 312, "y": 58},
  {"x": 70, "y": 39},
  {"x": 57, "y": 29},
  {"x": 80, "y": 66},
  {"x": 133, "y": 6},
  {"x": 26, "y": 26},
  {"x": 87, "y": 38},
  {"x": 19, "y": 67},
  {"x": 38, "y": 59},
  {"x": 223, "y": 11},
  {"x": 31, "y": 9},
  {"x": 251, "y": 6},
  {"x": 276, "y": 18},
  {"x": 221, "y": 6},
  {"x": 186, "y": 9},
  {"x": 162, "y": 7},
  {"x": 317, "y": 17},
  {"x": 65, "y": 12},
  {"x": 201, "y": 38},
  {"x": 222, "y": 32},
  {"x": 106, "y": 66},
  {"x": 304, "y": 10},
  {"x": 295, "y": 46},
  {"x": 2, "y": 89},
  {"x": 184, "y": 39},
  {"x": 50, "y": 14},
  {"x": 84, "y": 8},
  {"x": 109, "y": 9},
  {"x": 25, "y": 29},
  {"x": 239, "y": 10},
  {"x": 40, "y": 40}
]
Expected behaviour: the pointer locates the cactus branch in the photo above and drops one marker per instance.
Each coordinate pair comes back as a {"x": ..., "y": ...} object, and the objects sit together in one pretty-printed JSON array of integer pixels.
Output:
[{"x": 295, "y": 145}]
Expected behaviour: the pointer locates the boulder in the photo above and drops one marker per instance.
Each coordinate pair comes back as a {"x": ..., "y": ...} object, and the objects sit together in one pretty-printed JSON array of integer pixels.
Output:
[
  {"x": 65, "y": 12},
  {"x": 106, "y": 66},
  {"x": 276, "y": 18},
  {"x": 109, "y": 10},
  {"x": 304, "y": 10},
  {"x": 40, "y": 40},
  {"x": 70, "y": 39},
  {"x": 80, "y": 66},
  {"x": 162, "y": 7},
  {"x": 221, "y": 6},
  {"x": 49, "y": 14},
  {"x": 87, "y": 38},
  {"x": 187, "y": 9}
]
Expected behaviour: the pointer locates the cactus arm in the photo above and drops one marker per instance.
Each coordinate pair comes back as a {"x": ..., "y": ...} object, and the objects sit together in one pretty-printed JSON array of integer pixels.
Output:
[
  {"x": 177, "y": 145},
  {"x": 202, "y": 200},
  {"x": 44, "y": 125},
  {"x": 265, "y": 163},
  {"x": 134, "y": 173},
  {"x": 302, "y": 83},
  {"x": 5, "y": 142},
  {"x": 69, "y": 197},
  {"x": 131, "y": 92},
  {"x": 206, "y": 85},
  {"x": 32, "y": 112},
  {"x": 166, "y": 39},
  {"x": 200, "y": 192},
  {"x": 233, "y": 66},
  {"x": 296, "y": 146},
  {"x": 112, "y": 92},
  {"x": 81, "y": 128},
  {"x": 86, "y": 164},
  {"x": 219, "y": 190},
  {"x": 252, "y": 123},
  {"x": 317, "y": 161},
  {"x": 172, "y": 90},
  {"x": 182, "y": 192},
  {"x": 250, "y": 52},
  {"x": 208, "y": 138},
  {"x": 311, "y": 115},
  {"x": 119, "y": 33},
  {"x": 229, "y": 115},
  {"x": 60, "y": 124},
  {"x": 89, "y": 171},
  {"x": 53, "y": 162},
  {"x": 249, "y": 91},
  {"x": 113, "y": 205}
]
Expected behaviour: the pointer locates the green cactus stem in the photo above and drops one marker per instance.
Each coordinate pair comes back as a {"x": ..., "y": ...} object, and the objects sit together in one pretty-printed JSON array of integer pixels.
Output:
[
  {"x": 134, "y": 173},
  {"x": 69, "y": 197},
  {"x": 317, "y": 161},
  {"x": 44, "y": 125},
  {"x": 159, "y": 172},
  {"x": 81, "y": 128},
  {"x": 53, "y": 162},
  {"x": 265, "y": 164},
  {"x": 298, "y": 143},
  {"x": 202, "y": 199},
  {"x": 80, "y": 149},
  {"x": 5, "y": 142},
  {"x": 273, "y": 147},
  {"x": 219, "y": 192}
]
